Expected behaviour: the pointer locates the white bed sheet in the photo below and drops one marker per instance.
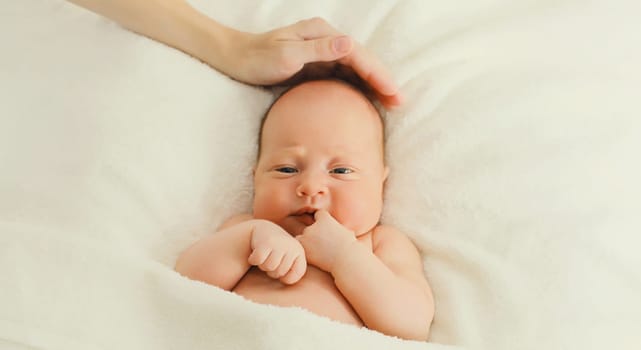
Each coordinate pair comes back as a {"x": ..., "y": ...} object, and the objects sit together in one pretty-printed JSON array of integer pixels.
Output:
[{"x": 514, "y": 164}]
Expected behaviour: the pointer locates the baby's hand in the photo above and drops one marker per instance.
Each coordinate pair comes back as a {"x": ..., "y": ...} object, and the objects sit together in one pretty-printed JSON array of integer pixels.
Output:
[
  {"x": 277, "y": 253},
  {"x": 325, "y": 240}
]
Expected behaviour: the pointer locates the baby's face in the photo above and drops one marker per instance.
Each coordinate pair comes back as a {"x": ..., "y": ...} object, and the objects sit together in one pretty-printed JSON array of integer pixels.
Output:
[{"x": 321, "y": 148}]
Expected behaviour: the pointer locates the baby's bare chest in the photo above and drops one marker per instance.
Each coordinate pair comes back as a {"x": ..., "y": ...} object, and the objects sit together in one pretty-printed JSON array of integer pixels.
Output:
[{"x": 315, "y": 292}]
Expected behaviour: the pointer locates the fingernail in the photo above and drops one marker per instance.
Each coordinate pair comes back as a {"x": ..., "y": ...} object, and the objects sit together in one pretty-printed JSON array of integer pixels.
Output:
[
  {"x": 400, "y": 99},
  {"x": 342, "y": 44}
]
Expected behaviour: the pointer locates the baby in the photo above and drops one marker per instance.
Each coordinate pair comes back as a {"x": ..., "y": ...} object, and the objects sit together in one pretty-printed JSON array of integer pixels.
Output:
[{"x": 314, "y": 238}]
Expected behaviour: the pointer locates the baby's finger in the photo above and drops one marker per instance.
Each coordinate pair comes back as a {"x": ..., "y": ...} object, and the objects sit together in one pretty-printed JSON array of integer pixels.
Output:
[
  {"x": 297, "y": 271},
  {"x": 285, "y": 265},
  {"x": 302, "y": 238},
  {"x": 323, "y": 215},
  {"x": 258, "y": 256},
  {"x": 272, "y": 261},
  {"x": 273, "y": 274}
]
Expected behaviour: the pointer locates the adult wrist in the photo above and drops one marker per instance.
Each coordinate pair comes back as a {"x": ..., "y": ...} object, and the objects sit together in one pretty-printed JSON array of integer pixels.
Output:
[{"x": 208, "y": 40}]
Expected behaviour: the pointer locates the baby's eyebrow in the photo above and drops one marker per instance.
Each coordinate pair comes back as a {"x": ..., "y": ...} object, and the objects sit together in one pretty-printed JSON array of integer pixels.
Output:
[
  {"x": 279, "y": 155},
  {"x": 295, "y": 150}
]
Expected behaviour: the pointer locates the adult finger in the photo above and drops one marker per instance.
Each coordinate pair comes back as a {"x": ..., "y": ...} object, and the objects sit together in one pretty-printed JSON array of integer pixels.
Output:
[
  {"x": 335, "y": 46},
  {"x": 323, "y": 49},
  {"x": 320, "y": 41},
  {"x": 370, "y": 69},
  {"x": 313, "y": 28},
  {"x": 390, "y": 101}
]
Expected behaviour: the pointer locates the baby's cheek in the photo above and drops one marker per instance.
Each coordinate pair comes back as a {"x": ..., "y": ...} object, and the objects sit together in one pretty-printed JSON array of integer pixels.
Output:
[
  {"x": 366, "y": 213},
  {"x": 267, "y": 205},
  {"x": 353, "y": 215}
]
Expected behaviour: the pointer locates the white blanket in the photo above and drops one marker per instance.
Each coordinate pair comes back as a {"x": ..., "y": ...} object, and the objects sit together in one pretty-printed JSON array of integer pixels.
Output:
[{"x": 515, "y": 170}]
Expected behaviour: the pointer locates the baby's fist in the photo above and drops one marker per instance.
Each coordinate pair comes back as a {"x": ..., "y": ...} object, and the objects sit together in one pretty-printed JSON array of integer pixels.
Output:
[
  {"x": 324, "y": 240},
  {"x": 277, "y": 253}
]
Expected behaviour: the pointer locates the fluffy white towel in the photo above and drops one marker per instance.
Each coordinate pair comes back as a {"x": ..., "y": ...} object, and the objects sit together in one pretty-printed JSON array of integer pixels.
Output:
[{"x": 515, "y": 169}]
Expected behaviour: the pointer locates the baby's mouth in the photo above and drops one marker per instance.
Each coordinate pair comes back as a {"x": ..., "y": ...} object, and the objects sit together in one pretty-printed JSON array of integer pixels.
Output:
[
  {"x": 307, "y": 219},
  {"x": 306, "y": 216}
]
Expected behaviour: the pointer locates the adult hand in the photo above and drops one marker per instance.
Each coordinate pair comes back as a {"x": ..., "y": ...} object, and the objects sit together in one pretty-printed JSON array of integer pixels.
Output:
[
  {"x": 279, "y": 55},
  {"x": 263, "y": 59}
]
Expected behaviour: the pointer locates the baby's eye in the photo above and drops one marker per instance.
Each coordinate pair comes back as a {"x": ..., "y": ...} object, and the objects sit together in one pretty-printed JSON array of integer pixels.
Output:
[
  {"x": 341, "y": 171},
  {"x": 287, "y": 170}
]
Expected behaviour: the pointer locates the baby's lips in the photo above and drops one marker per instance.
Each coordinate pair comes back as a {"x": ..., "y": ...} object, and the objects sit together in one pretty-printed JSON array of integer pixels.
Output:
[
  {"x": 306, "y": 219},
  {"x": 306, "y": 210}
]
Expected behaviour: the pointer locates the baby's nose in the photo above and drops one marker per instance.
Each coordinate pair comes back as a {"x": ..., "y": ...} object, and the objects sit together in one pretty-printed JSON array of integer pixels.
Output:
[{"x": 311, "y": 186}]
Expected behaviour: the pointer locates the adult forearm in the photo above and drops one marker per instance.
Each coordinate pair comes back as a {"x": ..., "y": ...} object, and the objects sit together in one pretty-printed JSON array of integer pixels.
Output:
[
  {"x": 385, "y": 302},
  {"x": 173, "y": 22}
]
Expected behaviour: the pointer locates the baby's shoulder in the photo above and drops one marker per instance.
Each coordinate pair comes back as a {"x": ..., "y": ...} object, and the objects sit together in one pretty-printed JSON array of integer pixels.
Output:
[
  {"x": 387, "y": 236},
  {"x": 397, "y": 251}
]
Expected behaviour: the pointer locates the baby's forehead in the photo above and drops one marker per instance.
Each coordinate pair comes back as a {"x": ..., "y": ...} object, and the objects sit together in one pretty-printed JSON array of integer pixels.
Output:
[
  {"x": 331, "y": 89},
  {"x": 334, "y": 101},
  {"x": 324, "y": 111}
]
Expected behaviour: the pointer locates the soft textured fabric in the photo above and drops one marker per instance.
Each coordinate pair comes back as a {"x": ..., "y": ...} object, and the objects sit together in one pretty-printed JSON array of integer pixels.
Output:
[{"x": 514, "y": 169}]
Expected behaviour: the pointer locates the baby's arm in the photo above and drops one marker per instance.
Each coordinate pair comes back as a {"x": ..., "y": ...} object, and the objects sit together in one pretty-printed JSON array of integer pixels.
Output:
[
  {"x": 387, "y": 288},
  {"x": 219, "y": 259},
  {"x": 223, "y": 258}
]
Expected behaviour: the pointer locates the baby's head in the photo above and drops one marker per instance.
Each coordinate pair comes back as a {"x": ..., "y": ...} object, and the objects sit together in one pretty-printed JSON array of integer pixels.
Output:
[{"x": 321, "y": 147}]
